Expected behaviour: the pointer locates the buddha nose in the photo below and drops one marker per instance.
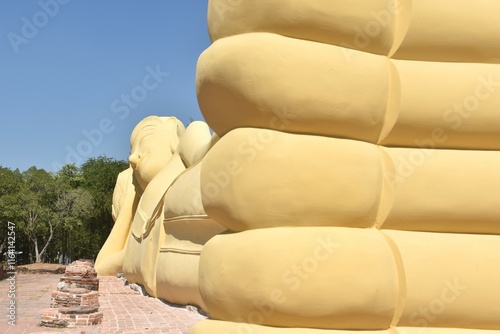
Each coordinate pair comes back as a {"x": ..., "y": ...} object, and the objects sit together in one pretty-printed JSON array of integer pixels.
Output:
[{"x": 133, "y": 159}]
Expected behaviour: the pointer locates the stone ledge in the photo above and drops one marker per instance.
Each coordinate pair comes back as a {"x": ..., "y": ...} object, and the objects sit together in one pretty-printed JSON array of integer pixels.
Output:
[{"x": 41, "y": 268}]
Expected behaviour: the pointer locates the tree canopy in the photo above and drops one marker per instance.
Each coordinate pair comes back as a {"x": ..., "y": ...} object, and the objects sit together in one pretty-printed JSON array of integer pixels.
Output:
[{"x": 58, "y": 216}]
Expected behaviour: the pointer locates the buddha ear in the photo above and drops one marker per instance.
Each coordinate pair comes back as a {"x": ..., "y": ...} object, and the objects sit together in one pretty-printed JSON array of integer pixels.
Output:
[
  {"x": 180, "y": 129},
  {"x": 175, "y": 130}
]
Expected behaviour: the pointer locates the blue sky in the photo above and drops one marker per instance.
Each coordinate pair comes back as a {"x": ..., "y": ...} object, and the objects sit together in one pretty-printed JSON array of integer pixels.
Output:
[{"x": 76, "y": 76}]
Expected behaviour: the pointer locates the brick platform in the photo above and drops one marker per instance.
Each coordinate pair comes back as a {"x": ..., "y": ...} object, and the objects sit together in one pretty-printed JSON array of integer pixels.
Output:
[
  {"x": 74, "y": 297},
  {"x": 76, "y": 300},
  {"x": 126, "y": 311},
  {"x": 71, "y": 317},
  {"x": 80, "y": 275}
]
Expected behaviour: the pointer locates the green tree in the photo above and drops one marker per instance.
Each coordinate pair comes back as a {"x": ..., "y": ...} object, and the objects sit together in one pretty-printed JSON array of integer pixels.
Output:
[
  {"x": 35, "y": 201},
  {"x": 70, "y": 176},
  {"x": 10, "y": 183},
  {"x": 67, "y": 212},
  {"x": 72, "y": 207},
  {"x": 99, "y": 178}
]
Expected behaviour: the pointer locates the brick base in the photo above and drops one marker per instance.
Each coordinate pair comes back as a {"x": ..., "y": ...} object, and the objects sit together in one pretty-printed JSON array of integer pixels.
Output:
[
  {"x": 77, "y": 282},
  {"x": 74, "y": 297},
  {"x": 75, "y": 303},
  {"x": 70, "y": 317}
]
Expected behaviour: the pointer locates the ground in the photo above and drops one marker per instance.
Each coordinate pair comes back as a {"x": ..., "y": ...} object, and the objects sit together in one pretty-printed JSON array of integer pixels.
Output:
[
  {"x": 125, "y": 310},
  {"x": 38, "y": 268}
]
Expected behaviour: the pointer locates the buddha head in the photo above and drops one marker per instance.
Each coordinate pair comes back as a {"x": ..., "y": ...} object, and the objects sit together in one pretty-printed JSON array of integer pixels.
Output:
[{"x": 152, "y": 144}]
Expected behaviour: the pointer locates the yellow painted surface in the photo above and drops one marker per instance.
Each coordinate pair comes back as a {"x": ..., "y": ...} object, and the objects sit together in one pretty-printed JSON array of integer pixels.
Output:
[
  {"x": 162, "y": 259},
  {"x": 353, "y": 181},
  {"x": 317, "y": 277},
  {"x": 377, "y": 117}
]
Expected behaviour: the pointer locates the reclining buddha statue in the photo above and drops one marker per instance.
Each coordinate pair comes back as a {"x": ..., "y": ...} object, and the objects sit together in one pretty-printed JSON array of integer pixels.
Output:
[{"x": 353, "y": 181}]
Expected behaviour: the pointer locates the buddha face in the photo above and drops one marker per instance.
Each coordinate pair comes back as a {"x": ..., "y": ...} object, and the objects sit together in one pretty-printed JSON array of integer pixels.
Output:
[{"x": 150, "y": 153}]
